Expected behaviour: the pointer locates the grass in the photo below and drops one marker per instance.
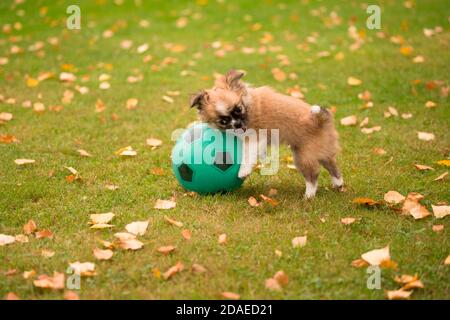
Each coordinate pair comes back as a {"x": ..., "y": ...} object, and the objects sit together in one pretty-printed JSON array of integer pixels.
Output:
[{"x": 320, "y": 270}]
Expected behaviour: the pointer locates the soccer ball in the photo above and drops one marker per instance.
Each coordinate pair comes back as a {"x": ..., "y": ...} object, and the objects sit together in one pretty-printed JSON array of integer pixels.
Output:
[{"x": 207, "y": 160}]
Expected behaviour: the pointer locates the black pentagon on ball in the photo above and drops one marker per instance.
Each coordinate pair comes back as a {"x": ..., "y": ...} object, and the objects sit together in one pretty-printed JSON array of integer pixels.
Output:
[
  {"x": 223, "y": 160},
  {"x": 186, "y": 173},
  {"x": 193, "y": 135}
]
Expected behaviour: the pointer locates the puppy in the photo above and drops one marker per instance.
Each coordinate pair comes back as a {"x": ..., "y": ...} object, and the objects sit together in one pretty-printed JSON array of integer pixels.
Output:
[{"x": 308, "y": 130}]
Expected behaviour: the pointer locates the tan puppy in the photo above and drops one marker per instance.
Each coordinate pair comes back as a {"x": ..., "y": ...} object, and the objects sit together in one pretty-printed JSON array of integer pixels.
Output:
[{"x": 308, "y": 130}]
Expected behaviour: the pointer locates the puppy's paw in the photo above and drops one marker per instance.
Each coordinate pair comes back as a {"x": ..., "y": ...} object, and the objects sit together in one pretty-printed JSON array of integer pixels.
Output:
[{"x": 244, "y": 171}]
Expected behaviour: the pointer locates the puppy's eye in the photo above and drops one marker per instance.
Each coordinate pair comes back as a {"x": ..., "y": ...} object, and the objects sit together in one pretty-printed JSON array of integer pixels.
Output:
[
  {"x": 224, "y": 121},
  {"x": 237, "y": 110}
]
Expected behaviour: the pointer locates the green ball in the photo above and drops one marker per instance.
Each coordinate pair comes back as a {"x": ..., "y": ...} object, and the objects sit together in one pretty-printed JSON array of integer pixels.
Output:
[{"x": 207, "y": 160}]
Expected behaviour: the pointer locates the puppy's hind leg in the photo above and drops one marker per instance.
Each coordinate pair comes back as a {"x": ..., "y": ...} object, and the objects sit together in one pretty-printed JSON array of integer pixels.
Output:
[
  {"x": 310, "y": 169},
  {"x": 331, "y": 166}
]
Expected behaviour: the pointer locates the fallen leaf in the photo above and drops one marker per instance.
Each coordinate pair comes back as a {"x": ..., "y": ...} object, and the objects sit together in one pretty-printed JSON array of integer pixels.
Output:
[
  {"x": 278, "y": 253},
  {"x": 11, "y": 296},
  {"x": 269, "y": 200},
  {"x": 44, "y": 234},
  {"x": 253, "y": 202},
  {"x": 130, "y": 244},
  {"x": 447, "y": 260},
  {"x": 398, "y": 294},
  {"x": 103, "y": 254},
  {"x": 131, "y": 103},
  {"x": 173, "y": 270},
  {"x": 422, "y": 167},
  {"x": 272, "y": 285},
  {"x": 8, "y": 138},
  {"x": 84, "y": 269},
  {"x": 186, "y": 234},
  {"x": 438, "y": 227},
  {"x": 21, "y": 238},
  {"x": 371, "y": 130},
  {"x": 138, "y": 227},
  {"x": 5, "y": 239},
  {"x": 352, "y": 81},
  {"x": 379, "y": 151},
  {"x": 21, "y": 162},
  {"x": 222, "y": 238},
  {"x": 154, "y": 143},
  {"x": 47, "y": 253},
  {"x": 230, "y": 295},
  {"x": 440, "y": 211},
  {"x": 28, "y": 274},
  {"x": 425, "y": 136},
  {"x": 347, "y": 220},
  {"x": 56, "y": 282},
  {"x": 430, "y": 104},
  {"x": 198, "y": 268},
  {"x": 166, "y": 249},
  {"x": 377, "y": 257},
  {"x": 84, "y": 153},
  {"x": 126, "y": 152},
  {"x": 102, "y": 226},
  {"x": 349, "y": 121},
  {"x": 174, "y": 222},
  {"x": 164, "y": 204},
  {"x": 393, "y": 197},
  {"x": 299, "y": 241},
  {"x": 71, "y": 295},
  {"x": 365, "y": 201},
  {"x": 6, "y": 116},
  {"x": 29, "y": 227},
  {"x": 441, "y": 177},
  {"x": 412, "y": 206},
  {"x": 101, "y": 218},
  {"x": 445, "y": 162}
]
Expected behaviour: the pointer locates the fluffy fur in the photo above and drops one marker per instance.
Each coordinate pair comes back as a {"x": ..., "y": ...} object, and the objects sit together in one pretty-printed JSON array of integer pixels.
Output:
[{"x": 309, "y": 131}]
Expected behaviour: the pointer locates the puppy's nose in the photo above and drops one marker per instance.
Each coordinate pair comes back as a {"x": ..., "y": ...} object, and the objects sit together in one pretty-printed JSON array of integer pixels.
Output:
[{"x": 238, "y": 125}]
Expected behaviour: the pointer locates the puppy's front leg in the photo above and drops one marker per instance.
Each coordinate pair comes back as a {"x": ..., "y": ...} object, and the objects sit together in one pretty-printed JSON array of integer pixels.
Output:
[{"x": 249, "y": 155}]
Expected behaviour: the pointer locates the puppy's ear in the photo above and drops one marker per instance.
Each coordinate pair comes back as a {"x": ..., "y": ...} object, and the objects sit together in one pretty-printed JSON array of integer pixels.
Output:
[
  {"x": 199, "y": 99},
  {"x": 232, "y": 79}
]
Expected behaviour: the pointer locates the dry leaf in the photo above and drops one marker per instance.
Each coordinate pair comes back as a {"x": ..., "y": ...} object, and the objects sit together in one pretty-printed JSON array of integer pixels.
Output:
[
  {"x": 22, "y": 162},
  {"x": 5, "y": 239},
  {"x": 222, "y": 238},
  {"x": 365, "y": 201},
  {"x": 425, "y": 136},
  {"x": 84, "y": 153},
  {"x": 422, "y": 167},
  {"x": 44, "y": 234},
  {"x": 166, "y": 249},
  {"x": 186, "y": 234},
  {"x": 352, "y": 81},
  {"x": 273, "y": 285},
  {"x": 138, "y": 227},
  {"x": 198, "y": 268},
  {"x": 445, "y": 162},
  {"x": 412, "y": 206},
  {"x": 379, "y": 151},
  {"x": 347, "y": 220},
  {"x": 230, "y": 295},
  {"x": 174, "y": 222},
  {"x": 56, "y": 282},
  {"x": 371, "y": 130},
  {"x": 349, "y": 121},
  {"x": 101, "y": 218},
  {"x": 153, "y": 142},
  {"x": 269, "y": 200},
  {"x": 164, "y": 204},
  {"x": 359, "y": 263},
  {"x": 8, "y": 138},
  {"x": 393, "y": 197},
  {"x": 130, "y": 244},
  {"x": 102, "y": 226},
  {"x": 430, "y": 104},
  {"x": 398, "y": 294},
  {"x": 253, "y": 202},
  {"x": 281, "y": 278},
  {"x": 47, "y": 253},
  {"x": 440, "y": 211},
  {"x": 5, "y": 116},
  {"x": 21, "y": 238},
  {"x": 126, "y": 152},
  {"x": 29, "y": 227},
  {"x": 299, "y": 241},
  {"x": 173, "y": 270},
  {"x": 438, "y": 227},
  {"x": 131, "y": 103},
  {"x": 103, "y": 254},
  {"x": 71, "y": 295},
  {"x": 447, "y": 260},
  {"x": 278, "y": 253},
  {"x": 377, "y": 257},
  {"x": 84, "y": 269},
  {"x": 11, "y": 296}
]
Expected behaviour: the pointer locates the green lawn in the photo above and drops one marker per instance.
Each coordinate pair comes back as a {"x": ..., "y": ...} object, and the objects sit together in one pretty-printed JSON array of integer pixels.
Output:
[{"x": 320, "y": 270}]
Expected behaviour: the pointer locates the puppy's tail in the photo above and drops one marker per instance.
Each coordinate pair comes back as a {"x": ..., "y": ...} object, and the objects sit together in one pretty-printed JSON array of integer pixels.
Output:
[{"x": 321, "y": 115}]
